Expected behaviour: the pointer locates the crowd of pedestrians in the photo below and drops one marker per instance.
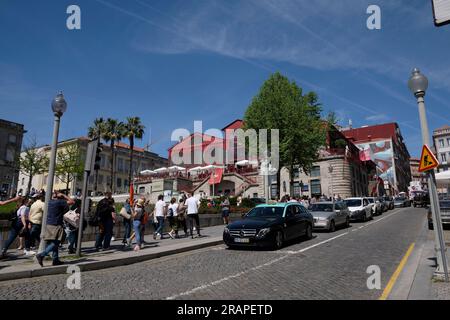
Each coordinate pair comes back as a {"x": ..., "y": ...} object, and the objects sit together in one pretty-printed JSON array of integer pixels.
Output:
[{"x": 27, "y": 215}]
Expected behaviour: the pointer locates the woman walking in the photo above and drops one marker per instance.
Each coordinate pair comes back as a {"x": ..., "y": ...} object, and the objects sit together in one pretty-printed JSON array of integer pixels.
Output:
[
  {"x": 138, "y": 216},
  {"x": 127, "y": 222},
  {"x": 181, "y": 218},
  {"x": 19, "y": 227},
  {"x": 225, "y": 210}
]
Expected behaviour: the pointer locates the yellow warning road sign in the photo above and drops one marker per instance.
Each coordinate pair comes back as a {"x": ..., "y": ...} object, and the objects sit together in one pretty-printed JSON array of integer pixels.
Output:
[{"x": 428, "y": 160}]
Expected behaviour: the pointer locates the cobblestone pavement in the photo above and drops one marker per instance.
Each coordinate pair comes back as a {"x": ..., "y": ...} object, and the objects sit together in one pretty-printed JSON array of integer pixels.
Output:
[{"x": 331, "y": 266}]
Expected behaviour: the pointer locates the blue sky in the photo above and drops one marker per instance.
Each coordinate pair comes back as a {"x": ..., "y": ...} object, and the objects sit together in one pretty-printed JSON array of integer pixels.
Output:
[{"x": 173, "y": 62}]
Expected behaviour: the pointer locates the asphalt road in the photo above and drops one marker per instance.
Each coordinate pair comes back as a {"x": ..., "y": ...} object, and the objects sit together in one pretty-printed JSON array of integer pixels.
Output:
[{"x": 330, "y": 266}]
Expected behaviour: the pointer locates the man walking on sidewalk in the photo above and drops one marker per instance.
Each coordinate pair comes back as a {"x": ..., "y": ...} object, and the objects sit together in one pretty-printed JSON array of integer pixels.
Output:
[
  {"x": 35, "y": 217},
  {"x": 54, "y": 230},
  {"x": 192, "y": 213}
]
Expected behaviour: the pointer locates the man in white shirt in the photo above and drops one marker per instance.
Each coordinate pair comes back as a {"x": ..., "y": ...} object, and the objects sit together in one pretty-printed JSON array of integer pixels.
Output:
[
  {"x": 160, "y": 213},
  {"x": 192, "y": 204}
]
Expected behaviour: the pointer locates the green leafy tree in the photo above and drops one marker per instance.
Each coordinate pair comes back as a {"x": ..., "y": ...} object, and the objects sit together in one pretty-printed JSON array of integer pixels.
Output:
[
  {"x": 281, "y": 104},
  {"x": 96, "y": 131},
  {"x": 69, "y": 164},
  {"x": 32, "y": 162},
  {"x": 134, "y": 129},
  {"x": 114, "y": 132}
]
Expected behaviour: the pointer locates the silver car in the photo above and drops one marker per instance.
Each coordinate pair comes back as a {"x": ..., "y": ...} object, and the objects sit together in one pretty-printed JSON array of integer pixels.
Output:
[{"x": 327, "y": 219}]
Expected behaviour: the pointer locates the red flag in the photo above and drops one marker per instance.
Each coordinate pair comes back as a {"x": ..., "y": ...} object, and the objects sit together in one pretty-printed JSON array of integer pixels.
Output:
[
  {"x": 131, "y": 193},
  {"x": 216, "y": 176}
]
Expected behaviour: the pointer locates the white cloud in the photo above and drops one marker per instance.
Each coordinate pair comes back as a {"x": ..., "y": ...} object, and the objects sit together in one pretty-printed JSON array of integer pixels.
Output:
[{"x": 378, "y": 118}]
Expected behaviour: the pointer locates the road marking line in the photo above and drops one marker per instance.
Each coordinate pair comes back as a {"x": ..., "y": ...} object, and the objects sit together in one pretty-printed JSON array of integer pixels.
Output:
[
  {"x": 211, "y": 284},
  {"x": 397, "y": 272}
]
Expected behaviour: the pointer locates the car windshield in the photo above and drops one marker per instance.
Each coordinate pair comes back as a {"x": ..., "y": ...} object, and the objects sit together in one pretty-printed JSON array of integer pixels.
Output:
[
  {"x": 399, "y": 199},
  {"x": 353, "y": 202},
  {"x": 370, "y": 200},
  {"x": 265, "y": 212},
  {"x": 321, "y": 207}
]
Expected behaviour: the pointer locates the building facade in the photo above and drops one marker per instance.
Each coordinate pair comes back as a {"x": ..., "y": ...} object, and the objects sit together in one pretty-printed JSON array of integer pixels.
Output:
[
  {"x": 339, "y": 171},
  {"x": 441, "y": 144},
  {"x": 384, "y": 145},
  {"x": 11, "y": 136},
  {"x": 101, "y": 181},
  {"x": 418, "y": 178}
]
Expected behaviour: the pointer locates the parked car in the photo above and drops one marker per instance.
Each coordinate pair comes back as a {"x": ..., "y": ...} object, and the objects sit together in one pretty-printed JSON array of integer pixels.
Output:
[
  {"x": 384, "y": 204},
  {"x": 445, "y": 214},
  {"x": 401, "y": 202},
  {"x": 389, "y": 202},
  {"x": 270, "y": 225},
  {"x": 360, "y": 208},
  {"x": 326, "y": 218},
  {"x": 377, "y": 208},
  {"x": 420, "y": 199}
]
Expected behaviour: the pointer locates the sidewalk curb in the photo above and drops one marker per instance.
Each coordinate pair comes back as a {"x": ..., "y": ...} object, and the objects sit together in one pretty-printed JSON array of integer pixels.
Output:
[{"x": 96, "y": 265}]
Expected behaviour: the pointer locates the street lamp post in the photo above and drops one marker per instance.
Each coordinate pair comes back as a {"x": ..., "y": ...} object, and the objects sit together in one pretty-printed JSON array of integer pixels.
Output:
[
  {"x": 418, "y": 84},
  {"x": 330, "y": 170},
  {"x": 59, "y": 106}
]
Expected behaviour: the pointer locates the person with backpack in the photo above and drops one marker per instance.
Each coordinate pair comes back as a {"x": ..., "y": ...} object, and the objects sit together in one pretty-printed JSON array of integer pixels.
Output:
[
  {"x": 105, "y": 215},
  {"x": 172, "y": 217}
]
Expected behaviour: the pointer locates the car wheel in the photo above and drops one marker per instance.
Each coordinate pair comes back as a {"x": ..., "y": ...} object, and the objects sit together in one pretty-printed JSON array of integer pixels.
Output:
[
  {"x": 332, "y": 227},
  {"x": 308, "y": 233},
  {"x": 278, "y": 240},
  {"x": 347, "y": 222}
]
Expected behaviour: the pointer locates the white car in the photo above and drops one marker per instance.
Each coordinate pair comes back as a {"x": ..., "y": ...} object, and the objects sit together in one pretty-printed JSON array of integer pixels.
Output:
[
  {"x": 360, "y": 208},
  {"x": 377, "y": 208}
]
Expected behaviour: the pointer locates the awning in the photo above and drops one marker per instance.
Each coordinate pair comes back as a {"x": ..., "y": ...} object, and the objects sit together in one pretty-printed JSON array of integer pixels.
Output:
[
  {"x": 176, "y": 168},
  {"x": 195, "y": 169},
  {"x": 160, "y": 170},
  {"x": 244, "y": 163},
  {"x": 444, "y": 175},
  {"x": 147, "y": 172},
  {"x": 212, "y": 167}
]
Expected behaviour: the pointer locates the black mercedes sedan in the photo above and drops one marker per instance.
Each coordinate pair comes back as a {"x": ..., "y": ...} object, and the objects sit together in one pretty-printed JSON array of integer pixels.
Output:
[{"x": 270, "y": 225}]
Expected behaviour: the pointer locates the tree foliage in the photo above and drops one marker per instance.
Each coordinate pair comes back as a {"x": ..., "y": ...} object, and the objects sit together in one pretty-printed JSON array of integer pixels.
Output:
[
  {"x": 281, "y": 104},
  {"x": 69, "y": 164},
  {"x": 33, "y": 161},
  {"x": 134, "y": 129}
]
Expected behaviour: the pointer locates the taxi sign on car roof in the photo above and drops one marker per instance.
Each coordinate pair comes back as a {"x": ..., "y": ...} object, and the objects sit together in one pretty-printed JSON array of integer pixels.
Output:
[{"x": 428, "y": 160}]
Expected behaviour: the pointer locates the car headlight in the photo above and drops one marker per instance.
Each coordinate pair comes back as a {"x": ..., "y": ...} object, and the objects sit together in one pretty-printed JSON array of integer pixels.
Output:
[
  {"x": 226, "y": 230},
  {"x": 263, "y": 232}
]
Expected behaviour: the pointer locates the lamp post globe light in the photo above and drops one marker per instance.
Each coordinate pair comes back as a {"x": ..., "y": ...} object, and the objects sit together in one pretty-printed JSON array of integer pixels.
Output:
[
  {"x": 418, "y": 84},
  {"x": 59, "y": 106}
]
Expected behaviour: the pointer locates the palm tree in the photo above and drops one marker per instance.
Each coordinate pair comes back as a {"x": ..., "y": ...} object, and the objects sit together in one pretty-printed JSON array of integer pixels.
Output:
[
  {"x": 133, "y": 129},
  {"x": 96, "y": 131},
  {"x": 114, "y": 131}
]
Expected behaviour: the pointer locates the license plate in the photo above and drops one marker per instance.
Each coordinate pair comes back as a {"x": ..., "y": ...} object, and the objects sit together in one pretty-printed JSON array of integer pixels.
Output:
[{"x": 242, "y": 240}]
